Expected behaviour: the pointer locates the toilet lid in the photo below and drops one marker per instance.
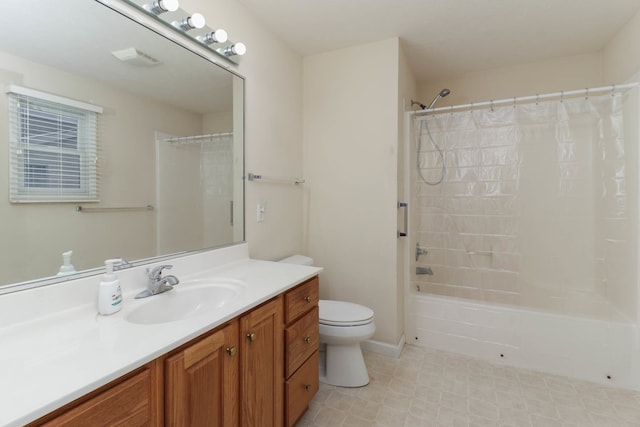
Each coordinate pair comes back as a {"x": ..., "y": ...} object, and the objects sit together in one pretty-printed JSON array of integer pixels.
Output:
[{"x": 341, "y": 313}]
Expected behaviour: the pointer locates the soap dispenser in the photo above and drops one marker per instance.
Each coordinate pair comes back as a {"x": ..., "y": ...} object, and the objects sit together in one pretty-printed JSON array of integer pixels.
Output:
[
  {"x": 109, "y": 292},
  {"x": 66, "y": 267}
]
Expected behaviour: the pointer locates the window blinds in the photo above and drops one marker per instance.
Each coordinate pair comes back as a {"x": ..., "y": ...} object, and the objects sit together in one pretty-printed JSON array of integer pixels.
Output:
[{"x": 53, "y": 148}]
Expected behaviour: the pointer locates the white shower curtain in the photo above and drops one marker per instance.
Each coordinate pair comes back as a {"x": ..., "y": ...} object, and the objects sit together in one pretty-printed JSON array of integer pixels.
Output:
[{"x": 538, "y": 206}]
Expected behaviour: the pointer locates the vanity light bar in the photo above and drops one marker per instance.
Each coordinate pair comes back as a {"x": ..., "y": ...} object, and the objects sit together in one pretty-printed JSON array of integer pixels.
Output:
[{"x": 193, "y": 26}]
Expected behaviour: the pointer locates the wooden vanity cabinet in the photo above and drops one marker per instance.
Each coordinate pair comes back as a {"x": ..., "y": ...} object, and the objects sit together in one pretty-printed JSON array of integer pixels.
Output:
[
  {"x": 201, "y": 381},
  {"x": 302, "y": 341},
  {"x": 261, "y": 361},
  {"x": 132, "y": 400},
  {"x": 260, "y": 369}
]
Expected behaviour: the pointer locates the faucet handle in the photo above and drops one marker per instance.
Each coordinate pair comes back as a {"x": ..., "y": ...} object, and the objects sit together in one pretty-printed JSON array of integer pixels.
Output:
[{"x": 157, "y": 271}]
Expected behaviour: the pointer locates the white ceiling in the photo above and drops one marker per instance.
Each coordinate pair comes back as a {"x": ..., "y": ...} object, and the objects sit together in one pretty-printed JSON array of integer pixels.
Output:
[{"x": 450, "y": 37}]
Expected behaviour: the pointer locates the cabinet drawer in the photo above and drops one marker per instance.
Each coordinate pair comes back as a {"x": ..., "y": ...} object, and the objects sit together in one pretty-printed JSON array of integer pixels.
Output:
[
  {"x": 301, "y": 339},
  {"x": 301, "y": 299},
  {"x": 300, "y": 389}
]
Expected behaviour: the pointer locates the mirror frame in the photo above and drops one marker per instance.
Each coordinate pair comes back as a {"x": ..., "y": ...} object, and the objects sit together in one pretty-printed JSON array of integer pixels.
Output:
[{"x": 129, "y": 11}]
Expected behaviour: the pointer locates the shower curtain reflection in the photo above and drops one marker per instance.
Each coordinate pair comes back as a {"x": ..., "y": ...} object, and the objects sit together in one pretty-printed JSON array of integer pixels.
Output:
[{"x": 538, "y": 208}]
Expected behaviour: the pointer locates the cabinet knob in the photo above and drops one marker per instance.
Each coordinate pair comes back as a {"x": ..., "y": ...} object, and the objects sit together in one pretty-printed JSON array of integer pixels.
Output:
[
  {"x": 307, "y": 339},
  {"x": 307, "y": 387},
  {"x": 251, "y": 336},
  {"x": 307, "y": 299},
  {"x": 232, "y": 351}
]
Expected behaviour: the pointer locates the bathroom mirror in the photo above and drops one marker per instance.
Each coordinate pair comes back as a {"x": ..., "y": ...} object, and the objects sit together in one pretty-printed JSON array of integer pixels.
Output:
[{"x": 169, "y": 142}]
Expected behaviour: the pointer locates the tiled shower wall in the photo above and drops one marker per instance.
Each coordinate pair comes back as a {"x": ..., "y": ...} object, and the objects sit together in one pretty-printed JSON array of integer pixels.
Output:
[{"x": 537, "y": 208}]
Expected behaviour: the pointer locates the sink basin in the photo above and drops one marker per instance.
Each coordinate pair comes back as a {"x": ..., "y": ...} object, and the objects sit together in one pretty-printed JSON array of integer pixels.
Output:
[{"x": 188, "y": 299}]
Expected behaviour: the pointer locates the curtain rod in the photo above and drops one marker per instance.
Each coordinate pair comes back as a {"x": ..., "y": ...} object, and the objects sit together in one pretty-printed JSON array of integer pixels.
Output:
[
  {"x": 92, "y": 209},
  {"x": 276, "y": 180},
  {"x": 197, "y": 138},
  {"x": 561, "y": 94}
]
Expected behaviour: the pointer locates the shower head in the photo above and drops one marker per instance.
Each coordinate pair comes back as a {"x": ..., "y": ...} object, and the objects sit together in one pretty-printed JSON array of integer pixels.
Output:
[{"x": 442, "y": 94}]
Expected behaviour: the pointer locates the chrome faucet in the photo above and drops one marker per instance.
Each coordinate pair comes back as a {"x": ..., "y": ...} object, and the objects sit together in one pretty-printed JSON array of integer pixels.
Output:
[
  {"x": 420, "y": 251},
  {"x": 157, "y": 283}
]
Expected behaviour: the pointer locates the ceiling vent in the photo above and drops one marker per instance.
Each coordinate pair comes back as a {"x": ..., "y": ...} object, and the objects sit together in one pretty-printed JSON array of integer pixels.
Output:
[{"x": 133, "y": 56}]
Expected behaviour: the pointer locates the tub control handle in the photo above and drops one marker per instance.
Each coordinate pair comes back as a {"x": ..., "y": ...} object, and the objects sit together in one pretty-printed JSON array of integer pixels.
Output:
[{"x": 405, "y": 206}]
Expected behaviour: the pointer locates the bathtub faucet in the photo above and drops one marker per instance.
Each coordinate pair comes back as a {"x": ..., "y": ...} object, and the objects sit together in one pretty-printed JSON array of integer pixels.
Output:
[{"x": 420, "y": 251}]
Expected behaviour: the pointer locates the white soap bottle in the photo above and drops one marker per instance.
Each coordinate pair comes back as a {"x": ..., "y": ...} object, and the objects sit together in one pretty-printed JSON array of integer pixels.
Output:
[
  {"x": 109, "y": 291},
  {"x": 66, "y": 267}
]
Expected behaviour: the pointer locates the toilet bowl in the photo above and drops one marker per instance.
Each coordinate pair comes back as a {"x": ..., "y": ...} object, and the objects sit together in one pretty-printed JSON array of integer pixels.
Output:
[{"x": 343, "y": 326}]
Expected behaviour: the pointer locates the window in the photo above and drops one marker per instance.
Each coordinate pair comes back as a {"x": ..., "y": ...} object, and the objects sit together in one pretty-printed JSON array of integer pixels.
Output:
[{"x": 53, "y": 148}]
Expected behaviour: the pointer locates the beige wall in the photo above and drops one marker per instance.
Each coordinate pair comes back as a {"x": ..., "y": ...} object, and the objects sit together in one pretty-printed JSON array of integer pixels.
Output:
[
  {"x": 568, "y": 73},
  {"x": 273, "y": 127},
  {"x": 350, "y": 162},
  {"x": 621, "y": 56}
]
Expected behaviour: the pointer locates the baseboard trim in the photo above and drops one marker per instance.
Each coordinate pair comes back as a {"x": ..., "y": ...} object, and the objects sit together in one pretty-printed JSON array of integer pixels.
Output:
[{"x": 384, "y": 348}]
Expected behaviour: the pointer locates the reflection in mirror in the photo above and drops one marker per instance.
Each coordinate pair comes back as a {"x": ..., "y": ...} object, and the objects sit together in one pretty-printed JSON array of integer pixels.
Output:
[{"x": 168, "y": 142}]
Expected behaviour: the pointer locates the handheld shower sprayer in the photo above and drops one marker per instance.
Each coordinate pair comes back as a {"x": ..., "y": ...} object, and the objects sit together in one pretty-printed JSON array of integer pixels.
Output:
[{"x": 441, "y": 94}]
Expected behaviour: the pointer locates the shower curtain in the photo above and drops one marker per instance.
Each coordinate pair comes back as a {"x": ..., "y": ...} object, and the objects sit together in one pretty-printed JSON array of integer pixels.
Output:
[{"x": 538, "y": 206}]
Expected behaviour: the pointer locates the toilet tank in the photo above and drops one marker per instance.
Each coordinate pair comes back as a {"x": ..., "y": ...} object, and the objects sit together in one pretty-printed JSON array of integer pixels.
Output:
[{"x": 298, "y": 259}]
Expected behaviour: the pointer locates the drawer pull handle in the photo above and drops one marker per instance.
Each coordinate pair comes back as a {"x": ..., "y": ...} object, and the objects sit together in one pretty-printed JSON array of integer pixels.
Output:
[
  {"x": 307, "y": 387},
  {"x": 251, "y": 336},
  {"x": 232, "y": 351},
  {"x": 307, "y": 299},
  {"x": 307, "y": 339}
]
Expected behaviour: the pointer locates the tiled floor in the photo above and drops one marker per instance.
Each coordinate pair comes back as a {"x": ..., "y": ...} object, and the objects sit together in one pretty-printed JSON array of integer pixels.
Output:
[{"x": 427, "y": 387}]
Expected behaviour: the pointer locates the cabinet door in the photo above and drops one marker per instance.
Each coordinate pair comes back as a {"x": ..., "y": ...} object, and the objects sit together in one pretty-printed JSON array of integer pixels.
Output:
[
  {"x": 133, "y": 401},
  {"x": 202, "y": 382},
  {"x": 261, "y": 354}
]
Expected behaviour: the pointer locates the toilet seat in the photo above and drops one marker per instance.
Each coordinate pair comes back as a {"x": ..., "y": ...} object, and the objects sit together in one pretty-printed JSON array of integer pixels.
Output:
[{"x": 341, "y": 313}]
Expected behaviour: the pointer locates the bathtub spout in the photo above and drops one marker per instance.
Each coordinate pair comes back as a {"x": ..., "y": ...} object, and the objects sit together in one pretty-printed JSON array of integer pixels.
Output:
[{"x": 424, "y": 270}]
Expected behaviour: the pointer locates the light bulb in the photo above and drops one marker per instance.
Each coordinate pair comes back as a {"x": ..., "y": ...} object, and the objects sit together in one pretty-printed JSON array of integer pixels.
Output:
[
  {"x": 217, "y": 36},
  {"x": 235, "y": 49},
  {"x": 161, "y": 6},
  {"x": 191, "y": 22}
]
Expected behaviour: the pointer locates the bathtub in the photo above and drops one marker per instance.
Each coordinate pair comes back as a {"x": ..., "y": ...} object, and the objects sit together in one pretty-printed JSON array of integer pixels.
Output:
[{"x": 598, "y": 350}]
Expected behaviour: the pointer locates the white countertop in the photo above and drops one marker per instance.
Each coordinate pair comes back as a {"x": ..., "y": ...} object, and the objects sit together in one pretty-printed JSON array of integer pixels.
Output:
[{"x": 54, "y": 347}]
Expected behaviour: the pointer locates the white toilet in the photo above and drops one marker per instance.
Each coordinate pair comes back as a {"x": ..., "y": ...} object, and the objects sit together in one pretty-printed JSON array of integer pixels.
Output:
[{"x": 343, "y": 326}]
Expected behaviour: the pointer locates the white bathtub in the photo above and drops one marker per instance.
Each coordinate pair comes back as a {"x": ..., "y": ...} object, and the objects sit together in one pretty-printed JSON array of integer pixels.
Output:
[{"x": 601, "y": 351}]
